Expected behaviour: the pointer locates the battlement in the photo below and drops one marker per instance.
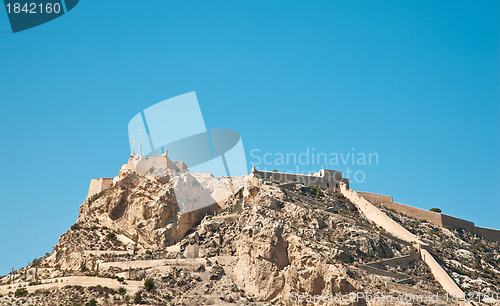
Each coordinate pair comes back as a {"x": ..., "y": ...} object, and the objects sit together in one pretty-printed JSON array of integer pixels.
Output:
[{"x": 324, "y": 178}]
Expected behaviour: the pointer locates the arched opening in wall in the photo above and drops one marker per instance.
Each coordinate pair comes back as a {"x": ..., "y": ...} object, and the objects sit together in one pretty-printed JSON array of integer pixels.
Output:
[{"x": 328, "y": 185}]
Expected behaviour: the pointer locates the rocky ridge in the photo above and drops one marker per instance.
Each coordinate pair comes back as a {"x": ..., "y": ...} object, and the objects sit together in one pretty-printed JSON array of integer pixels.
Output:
[{"x": 263, "y": 245}]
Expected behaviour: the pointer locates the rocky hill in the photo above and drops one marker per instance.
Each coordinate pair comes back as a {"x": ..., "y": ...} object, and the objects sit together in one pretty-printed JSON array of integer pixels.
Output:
[{"x": 266, "y": 244}]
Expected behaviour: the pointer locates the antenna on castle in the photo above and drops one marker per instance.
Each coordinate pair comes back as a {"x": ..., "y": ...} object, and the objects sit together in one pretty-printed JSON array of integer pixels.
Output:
[{"x": 140, "y": 143}]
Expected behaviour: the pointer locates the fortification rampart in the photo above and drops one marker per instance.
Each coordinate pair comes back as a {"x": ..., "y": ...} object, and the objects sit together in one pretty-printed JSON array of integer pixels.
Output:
[
  {"x": 373, "y": 214},
  {"x": 435, "y": 218},
  {"x": 488, "y": 233},
  {"x": 158, "y": 165},
  {"x": 440, "y": 274},
  {"x": 414, "y": 212},
  {"x": 324, "y": 178},
  {"x": 454, "y": 222},
  {"x": 98, "y": 185},
  {"x": 394, "y": 262},
  {"x": 375, "y": 198}
]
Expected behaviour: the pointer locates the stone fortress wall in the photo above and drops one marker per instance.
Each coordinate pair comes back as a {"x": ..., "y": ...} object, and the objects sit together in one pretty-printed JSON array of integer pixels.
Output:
[
  {"x": 372, "y": 213},
  {"x": 158, "y": 165},
  {"x": 435, "y": 218},
  {"x": 441, "y": 276},
  {"x": 324, "y": 178},
  {"x": 98, "y": 185}
]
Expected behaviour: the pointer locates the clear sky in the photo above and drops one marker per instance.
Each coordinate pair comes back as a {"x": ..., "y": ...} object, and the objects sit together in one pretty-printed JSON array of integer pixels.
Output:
[{"x": 416, "y": 82}]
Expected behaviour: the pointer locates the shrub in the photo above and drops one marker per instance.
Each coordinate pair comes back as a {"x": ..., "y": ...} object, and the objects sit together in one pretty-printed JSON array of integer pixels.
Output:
[
  {"x": 149, "y": 284},
  {"x": 339, "y": 196},
  {"x": 36, "y": 262},
  {"x": 120, "y": 279},
  {"x": 92, "y": 302},
  {"x": 111, "y": 235},
  {"x": 434, "y": 209},
  {"x": 75, "y": 226},
  {"x": 97, "y": 196},
  {"x": 316, "y": 191},
  {"x": 83, "y": 267},
  {"x": 137, "y": 298},
  {"x": 122, "y": 290},
  {"x": 21, "y": 292}
]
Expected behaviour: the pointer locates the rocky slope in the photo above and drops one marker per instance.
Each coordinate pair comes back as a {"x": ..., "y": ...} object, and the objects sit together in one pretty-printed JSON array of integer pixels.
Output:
[{"x": 266, "y": 244}]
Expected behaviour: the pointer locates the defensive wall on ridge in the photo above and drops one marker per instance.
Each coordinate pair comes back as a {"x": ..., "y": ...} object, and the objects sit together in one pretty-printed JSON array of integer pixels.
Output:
[
  {"x": 441, "y": 276},
  {"x": 378, "y": 217},
  {"x": 435, "y": 218},
  {"x": 324, "y": 178}
]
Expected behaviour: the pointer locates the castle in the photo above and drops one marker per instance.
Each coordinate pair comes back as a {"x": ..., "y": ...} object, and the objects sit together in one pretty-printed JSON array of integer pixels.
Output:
[
  {"x": 324, "y": 178},
  {"x": 161, "y": 165},
  {"x": 158, "y": 165}
]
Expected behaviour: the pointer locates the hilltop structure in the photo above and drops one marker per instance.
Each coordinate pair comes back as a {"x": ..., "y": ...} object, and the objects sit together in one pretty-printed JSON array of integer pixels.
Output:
[
  {"x": 161, "y": 165},
  {"x": 324, "y": 178},
  {"x": 366, "y": 203},
  {"x": 158, "y": 165},
  {"x": 265, "y": 238}
]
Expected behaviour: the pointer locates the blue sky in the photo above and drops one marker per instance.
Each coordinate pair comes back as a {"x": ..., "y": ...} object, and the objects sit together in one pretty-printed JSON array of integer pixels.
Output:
[{"x": 415, "y": 82}]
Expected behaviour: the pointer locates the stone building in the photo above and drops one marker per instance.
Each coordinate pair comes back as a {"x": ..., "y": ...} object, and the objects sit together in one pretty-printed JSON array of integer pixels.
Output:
[{"x": 324, "y": 178}]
